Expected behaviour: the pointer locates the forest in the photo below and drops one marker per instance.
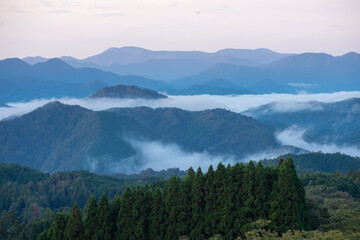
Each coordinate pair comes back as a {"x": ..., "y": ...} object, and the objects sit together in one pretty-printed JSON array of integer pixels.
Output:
[{"x": 230, "y": 202}]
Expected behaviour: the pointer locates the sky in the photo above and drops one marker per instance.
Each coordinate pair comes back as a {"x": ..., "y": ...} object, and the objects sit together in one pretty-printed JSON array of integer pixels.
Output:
[{"x": 81, "y": 28}]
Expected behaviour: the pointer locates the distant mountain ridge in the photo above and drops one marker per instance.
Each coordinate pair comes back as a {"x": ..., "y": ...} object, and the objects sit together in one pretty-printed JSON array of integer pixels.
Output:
[
  {"x": 206, "y": 73},
  {"x": 20, "y": 81},
  {"x": 312, "y": 72},
  {"x": 166, "y": 65},
  {"x": 123, "y": 91}
]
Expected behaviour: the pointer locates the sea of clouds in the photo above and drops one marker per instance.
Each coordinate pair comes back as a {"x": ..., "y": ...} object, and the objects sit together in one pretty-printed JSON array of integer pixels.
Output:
[{"x": 159, "y": 156}]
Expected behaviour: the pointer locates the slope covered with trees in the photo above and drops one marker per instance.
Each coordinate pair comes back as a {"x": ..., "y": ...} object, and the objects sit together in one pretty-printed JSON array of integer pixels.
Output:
[
  {"x": 216, "y": 131},
  {"x": 224, "y": 201},
  {"x": 319, "y": 162}
]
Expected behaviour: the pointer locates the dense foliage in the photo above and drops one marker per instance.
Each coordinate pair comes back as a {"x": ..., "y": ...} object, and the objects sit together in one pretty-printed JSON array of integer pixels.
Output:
[
  {"x": 216, "y": 131},
  {"x": 319, "y": 162},
  {"x": 246, "y": 202},
  {"x": 224, "y": 201},
  {"x": 27, "y": 194}
]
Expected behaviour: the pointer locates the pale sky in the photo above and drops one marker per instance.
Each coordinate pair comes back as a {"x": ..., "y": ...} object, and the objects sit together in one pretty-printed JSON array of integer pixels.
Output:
[{"x": 81, "y": 28}]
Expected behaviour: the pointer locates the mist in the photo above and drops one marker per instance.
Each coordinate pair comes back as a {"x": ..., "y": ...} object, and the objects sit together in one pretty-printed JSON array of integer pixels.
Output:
[
  {"x": 294, "y": 136},
  {"x": 158, "y": 156},
  {"x": 235, "y": 103}
]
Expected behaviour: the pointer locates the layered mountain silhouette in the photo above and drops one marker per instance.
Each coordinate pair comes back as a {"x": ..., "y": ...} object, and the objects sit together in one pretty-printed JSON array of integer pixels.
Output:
[
  {"x": 167, "y": 65},
  {"x": 312, "y": 72},
  {"x": 20, "y": 81},
  {"x": 257, "y": 71},
  {"x": 125, "y": 91},
  {"x": 58, "y": 137}
]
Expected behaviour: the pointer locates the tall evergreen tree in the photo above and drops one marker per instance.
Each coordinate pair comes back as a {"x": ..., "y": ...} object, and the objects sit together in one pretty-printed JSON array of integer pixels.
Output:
[
  {"x": 157, "y": 217},
  {"x": 114, "y": 213},
  {"x": 289, "y": 208},
  {"x": 75, "y": 228},
  {"x": 221, "y": 198},
  {"x": 103, "y": 228},
  {"x": 125, "y": 219},
  {"x": 249, "y": 194},
  {"x": 148, "y": 205},
  {"x": 184, "y": 206},
  {"x": 91, "y": 218},
  {"x": 197, "y": 207},
  {"x": 171, "y": 204},
  {"x": 238, "y": 214},
  {"x": 138, "y": 214},
  {"x": 261, "y": 192},
  {"x": 58, "y": 226},
  {"x": 210, "y": 203}
]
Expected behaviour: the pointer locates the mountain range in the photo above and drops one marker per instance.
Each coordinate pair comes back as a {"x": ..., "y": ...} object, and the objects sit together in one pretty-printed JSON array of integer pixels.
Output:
[
  {"x": 59, "y": 137},
  {"x": 166, "y": 65},
  {"x": 234, "y": 71},
  {"x": 20, "y": 81}
]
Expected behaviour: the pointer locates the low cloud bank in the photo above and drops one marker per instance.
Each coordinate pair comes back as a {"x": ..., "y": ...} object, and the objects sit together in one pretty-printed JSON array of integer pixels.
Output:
[
  {"x": 295, "y": 136},
  {"x": 235, "y": 103},
  {"x": 158, "y": 156}
]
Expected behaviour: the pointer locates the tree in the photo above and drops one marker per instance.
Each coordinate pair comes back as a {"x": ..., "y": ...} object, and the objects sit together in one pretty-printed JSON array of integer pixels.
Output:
[
  {"x": 184, "y": 206},
  {"x": 58, "y": 227},
  {"x": 125, "y": 220},
  {"x": 91, "y": 218},
  {"x": 75, "y": 228},
  {"x": 210, "y": 203},
  {"x": 261, "y": 192},
  {"x": 157, "y": 217},
  {"x": 103, "y": 228},
  {"x": 138, "y": 214},
  {"x": 171, "y": 205},
  {"x": 197, "y": 207},
  {"x": 114, "y": 213}
]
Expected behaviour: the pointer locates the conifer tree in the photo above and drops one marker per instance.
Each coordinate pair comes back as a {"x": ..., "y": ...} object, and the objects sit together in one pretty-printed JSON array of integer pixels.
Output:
[
  {"x": 238, "y": 213},
  {"x": 184, "y": 207},
  {"x": 114, "y": 213},
  {"x": 210, "y": 203},
  {"x": 221, "y": 198},
  {"x": 138, "y": 214},
  {"x": 44, "y": 235},
  {"x": 228, "y": 205},
  {"x": 261, "y": 192},
  {"x": 103, "y": 228},
  {"x": 148, "y": 205},
  {"x": 125, "y": 220},
  {"x": 58, "y": 226},
  {"x": 157, "y": 217},
  {"x": 171, "y": 204},
  {"x": 91, "y": 218},
  {"x": 197, "y": 207},
  {"x": 75, "y": 228},
  {"x": 249, "y": 192}
]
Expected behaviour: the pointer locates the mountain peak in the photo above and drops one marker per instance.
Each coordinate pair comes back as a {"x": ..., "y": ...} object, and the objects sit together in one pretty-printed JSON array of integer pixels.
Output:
[
  {"x": 54, "y": 63},
  {"x": 125, "y": 91},
  {"x": 14, "y": 62}
]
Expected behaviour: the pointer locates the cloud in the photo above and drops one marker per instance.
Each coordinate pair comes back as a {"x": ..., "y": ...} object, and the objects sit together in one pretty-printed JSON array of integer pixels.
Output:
[
  {"x": 291, "y": 106},
  {"x": 235, "y": 103},
  {"x": 158, "y": 156},
  {"x": 294, "y": 136}
]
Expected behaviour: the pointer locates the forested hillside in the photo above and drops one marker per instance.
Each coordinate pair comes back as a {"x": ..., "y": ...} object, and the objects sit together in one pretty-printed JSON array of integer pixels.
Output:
[
  {"x": 319, "y": 162},
  {"x": 224, "y": 201}
]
